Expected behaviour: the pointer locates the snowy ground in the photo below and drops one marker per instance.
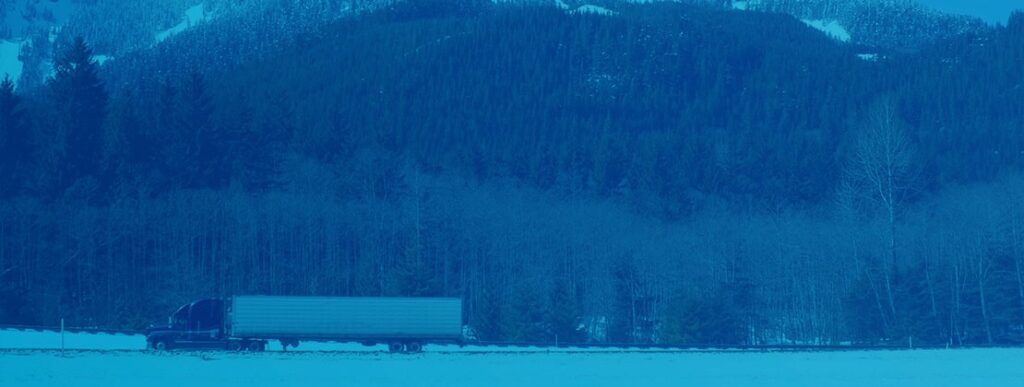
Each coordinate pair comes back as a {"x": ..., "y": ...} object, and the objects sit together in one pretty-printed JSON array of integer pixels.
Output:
[
  {"x": 193, "y": 16},
  {"x": 994, "y": 367},
  {"x": 30, "y": 358},
  {"x": 9, "y": 63},
  {"x": 14, "y": 339},
  {"x": 30, "y": 339},
  {"x": 831, "y": 28}
]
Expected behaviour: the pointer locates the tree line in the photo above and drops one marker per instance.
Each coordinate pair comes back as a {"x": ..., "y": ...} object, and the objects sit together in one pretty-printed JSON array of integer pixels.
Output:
[{"x": 670, "y": 174}]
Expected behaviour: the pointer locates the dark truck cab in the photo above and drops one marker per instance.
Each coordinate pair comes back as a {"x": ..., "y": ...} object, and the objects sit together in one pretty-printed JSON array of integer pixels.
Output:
[
  {"x": 250, "y": 322},
  {"x": 200, "y": 324}
]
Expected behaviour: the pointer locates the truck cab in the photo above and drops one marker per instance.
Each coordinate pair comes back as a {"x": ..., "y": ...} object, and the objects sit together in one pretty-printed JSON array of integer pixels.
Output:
[{"x": 195, "y": 325}]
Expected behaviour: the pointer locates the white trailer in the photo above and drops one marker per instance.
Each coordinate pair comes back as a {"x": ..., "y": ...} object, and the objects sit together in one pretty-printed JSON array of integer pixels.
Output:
[{"x": 249, "y": 322}]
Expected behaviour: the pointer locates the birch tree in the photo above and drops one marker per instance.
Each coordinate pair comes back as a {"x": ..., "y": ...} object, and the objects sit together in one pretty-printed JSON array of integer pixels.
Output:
[{"x": 883, "y": 166}]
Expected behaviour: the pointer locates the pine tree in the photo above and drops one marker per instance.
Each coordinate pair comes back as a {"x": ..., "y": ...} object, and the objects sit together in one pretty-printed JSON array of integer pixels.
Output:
[
  {"x": 80, "y": 104},
  {"x": 624, "y": 322},
  {"x": 260, "y": 146},
  {"x": 564, "y": 314},
  {"x": 199, "y": 156},
  {"x": 1015, "y": 24},
  {"x": 136, "y": 154},
  {"x": 167, "y": 104},
  {"x": 13, "y": 135}
]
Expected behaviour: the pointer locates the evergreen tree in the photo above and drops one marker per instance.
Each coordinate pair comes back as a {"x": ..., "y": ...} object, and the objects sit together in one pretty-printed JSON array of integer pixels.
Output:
[
  {"x": 261, "y": 146},
  {"x": 141, "y": 148},
  {"x": 705, "y": 318},
  {"x": 486, "y": 316},
  {"x": 136, "y": 157},
  {"x": 13, "y": 136},
  {"x": 199, "y": 154},
  {"x": 166, "y": 108},
  {"x": 80, "y": 107},
  {"x": 564, "y": 315},
  {"x": 525, "y": 318},
  {"x": 624, "y": 322},
  {"x": 1016, "y": 23}
]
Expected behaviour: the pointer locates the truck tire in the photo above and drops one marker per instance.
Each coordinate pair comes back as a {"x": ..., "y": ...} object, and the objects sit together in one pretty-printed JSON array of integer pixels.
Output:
[
  {"x": 285, "y": 343},
  {"x": 396, "y": 347},
  {"x": 414, "y": 347},
  {"x": 234, "y": 345},
  {"x": 254, "y": 346},
  {"x": 161, "y": 345}
]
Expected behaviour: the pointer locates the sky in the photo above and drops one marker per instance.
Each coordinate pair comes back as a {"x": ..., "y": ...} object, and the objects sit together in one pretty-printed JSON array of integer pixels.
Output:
[{"x": 993, "y": 11}]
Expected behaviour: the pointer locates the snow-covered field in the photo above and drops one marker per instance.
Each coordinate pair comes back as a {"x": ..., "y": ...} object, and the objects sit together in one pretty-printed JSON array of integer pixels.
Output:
[
  {"x": 896, "y": 368},
  {"x": 454, "y": 366},
  {"x": 30, "y": 339},
  {"x": 13, "y": 339}
]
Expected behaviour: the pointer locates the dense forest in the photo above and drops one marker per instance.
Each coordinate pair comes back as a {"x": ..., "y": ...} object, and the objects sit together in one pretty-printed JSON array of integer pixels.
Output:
[{"x": 665, "y": 173}]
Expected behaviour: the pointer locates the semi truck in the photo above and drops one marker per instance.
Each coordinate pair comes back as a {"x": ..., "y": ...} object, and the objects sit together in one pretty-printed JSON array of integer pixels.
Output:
[{"x": 248, "y": 323}]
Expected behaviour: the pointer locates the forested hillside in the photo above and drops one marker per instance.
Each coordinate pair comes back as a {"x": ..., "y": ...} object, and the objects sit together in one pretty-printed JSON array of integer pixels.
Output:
[
  {"x": 661, "y": 173},
  {"x": 894, "y": 24}
]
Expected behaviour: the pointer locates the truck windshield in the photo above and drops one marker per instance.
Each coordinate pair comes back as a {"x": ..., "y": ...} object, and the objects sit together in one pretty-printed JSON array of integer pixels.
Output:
[{"x": 180, "y": 318}]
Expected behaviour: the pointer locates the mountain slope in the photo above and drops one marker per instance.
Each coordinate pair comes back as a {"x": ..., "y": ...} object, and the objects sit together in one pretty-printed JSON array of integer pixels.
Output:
[
  {"x": 746, "y": 104},
  {"x": 115, "y": 28},
  {"x": 894, "y": 24},
  {"x": 886, "y": 24},
  {"x": 662, "y": 173},
  {"x": 118, "y": 27}
]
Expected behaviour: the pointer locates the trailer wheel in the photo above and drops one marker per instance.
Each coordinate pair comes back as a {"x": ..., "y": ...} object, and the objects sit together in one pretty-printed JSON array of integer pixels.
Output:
[
  {"x": 285, "y": 343},
  {"x": 234, "y": 346},
  {"x": 254, "y": 346},
  {"x": 396, "y": 347},
  {"x": 414, "y": 347}
]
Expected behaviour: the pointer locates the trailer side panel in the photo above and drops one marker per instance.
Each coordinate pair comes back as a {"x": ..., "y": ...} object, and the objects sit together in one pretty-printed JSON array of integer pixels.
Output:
[{"x": 346, "y": 317}]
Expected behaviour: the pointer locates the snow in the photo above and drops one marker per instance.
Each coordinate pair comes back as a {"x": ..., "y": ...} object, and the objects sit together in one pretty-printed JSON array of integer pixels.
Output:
[
  {"x": 868, "y": 57},
  {"x": 29, "y": 339},
  {"x": 453, "y": 348},
  {"x": 594, "y": 9},
  {"x": 47, "y": 15},
  {"x": 740, "y": 5},
  {"x": 113, "y": 359},
  {"x": 20, "y": 27},
  {"x": 9, "y": 63},
  {"x": 102, "y": 59},
  {"x": 831, "y": 28},
  {"x": 561, "y": 4},
  {"x": 193, "y": 16},
  {"x": 988, "y": 367}
]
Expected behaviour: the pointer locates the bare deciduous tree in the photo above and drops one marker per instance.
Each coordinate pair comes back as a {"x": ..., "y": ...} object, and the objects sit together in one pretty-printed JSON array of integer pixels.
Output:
[{"x": 883, "y": 166}]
